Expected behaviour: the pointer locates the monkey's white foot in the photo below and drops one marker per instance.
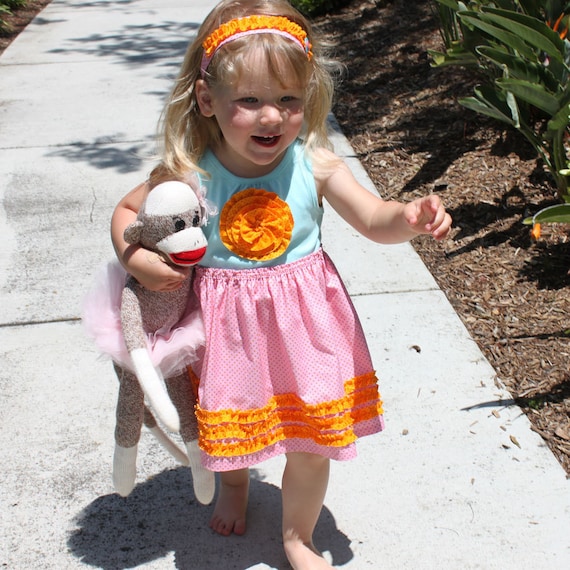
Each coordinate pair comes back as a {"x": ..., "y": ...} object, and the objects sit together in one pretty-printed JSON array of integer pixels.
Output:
[
  {"x": 124, "y": 469},
  {"x": 204, "y": 480}
]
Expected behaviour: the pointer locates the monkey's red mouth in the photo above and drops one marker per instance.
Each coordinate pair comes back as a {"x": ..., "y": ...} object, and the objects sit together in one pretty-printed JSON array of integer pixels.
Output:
[{"x": 188, "y": 257}]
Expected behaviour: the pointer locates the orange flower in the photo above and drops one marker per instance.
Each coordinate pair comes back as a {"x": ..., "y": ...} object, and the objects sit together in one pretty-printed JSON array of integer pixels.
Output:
[
  {"x": 256, "y": 224},
  {"x": 561, "y": 33},
  {"x": 535, "y": 232}
]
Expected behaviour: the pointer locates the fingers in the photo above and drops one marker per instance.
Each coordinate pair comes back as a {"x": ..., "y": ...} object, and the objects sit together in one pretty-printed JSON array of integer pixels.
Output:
[
  {"x": 157, "y": 275},
  {"x": 441, "y": 224},
  {"x": 429, "y": 216},
  {"x": 173, "y": 279},
  {"x": 442, "y": 230}
]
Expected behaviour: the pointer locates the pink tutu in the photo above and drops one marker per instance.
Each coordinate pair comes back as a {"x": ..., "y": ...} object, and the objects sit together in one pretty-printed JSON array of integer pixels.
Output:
[{"x": 171, "y": 350}]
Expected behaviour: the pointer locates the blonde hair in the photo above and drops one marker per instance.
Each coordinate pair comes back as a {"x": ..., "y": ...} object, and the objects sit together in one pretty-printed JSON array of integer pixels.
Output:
[{"x": 186, "y": 133}]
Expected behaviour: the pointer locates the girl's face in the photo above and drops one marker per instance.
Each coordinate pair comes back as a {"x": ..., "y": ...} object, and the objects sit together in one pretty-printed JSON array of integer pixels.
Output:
[{"x": 259, "y": 117}]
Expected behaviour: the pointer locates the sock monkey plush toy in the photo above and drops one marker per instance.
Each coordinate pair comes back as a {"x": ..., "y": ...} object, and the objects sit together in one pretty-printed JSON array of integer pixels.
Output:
[{"x": 153, "y": 336}]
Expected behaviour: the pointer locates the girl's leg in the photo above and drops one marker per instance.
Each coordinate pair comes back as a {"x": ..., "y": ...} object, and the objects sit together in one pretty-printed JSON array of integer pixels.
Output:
[
  {"x": 305, "y": 482},
  {"x": 231, "y": 506}
]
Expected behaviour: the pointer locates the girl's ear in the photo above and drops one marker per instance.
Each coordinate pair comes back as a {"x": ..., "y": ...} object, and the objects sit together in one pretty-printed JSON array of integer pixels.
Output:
[{"x": 204, "y": 98}]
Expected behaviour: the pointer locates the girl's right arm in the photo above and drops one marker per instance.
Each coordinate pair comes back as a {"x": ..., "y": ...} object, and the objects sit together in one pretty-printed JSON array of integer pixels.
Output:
[{"x": 148, "y": 268}]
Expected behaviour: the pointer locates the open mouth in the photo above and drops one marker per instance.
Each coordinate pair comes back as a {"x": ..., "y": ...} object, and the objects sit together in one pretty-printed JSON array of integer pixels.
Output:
[
  {"x": 188, "y": 257},
  {"x": 267, "y": 141}
]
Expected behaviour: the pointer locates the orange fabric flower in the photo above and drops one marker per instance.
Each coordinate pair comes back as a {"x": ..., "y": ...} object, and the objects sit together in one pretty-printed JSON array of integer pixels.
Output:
[{"x": 256, "y": 224}]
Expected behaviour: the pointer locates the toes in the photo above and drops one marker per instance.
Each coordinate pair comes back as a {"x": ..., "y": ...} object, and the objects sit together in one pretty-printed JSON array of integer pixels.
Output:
[
  {"x": 218, "y": 525},
  {"x": 239, "y": 527}
]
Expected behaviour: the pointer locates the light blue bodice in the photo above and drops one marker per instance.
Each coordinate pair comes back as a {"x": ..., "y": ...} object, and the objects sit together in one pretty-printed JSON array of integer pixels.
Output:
[{"x": 292, "y": 180}]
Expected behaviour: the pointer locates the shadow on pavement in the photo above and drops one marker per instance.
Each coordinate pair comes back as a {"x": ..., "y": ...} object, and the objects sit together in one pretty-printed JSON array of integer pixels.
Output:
[{"x": 161, "y": 516}]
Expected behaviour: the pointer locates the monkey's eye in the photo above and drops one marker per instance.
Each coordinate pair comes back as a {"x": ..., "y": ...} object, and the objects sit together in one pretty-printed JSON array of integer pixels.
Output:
[
  {"x": 196, "y": 221},
  {"x": 179, "y": 225}
]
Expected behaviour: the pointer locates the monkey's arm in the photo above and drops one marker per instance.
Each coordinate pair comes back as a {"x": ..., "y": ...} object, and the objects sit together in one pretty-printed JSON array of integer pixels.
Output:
[{"x": 148, "y": 377}]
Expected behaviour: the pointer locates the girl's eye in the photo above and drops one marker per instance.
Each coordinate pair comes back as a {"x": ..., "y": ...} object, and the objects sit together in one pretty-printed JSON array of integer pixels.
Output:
[{"x": 249, "y": 100}]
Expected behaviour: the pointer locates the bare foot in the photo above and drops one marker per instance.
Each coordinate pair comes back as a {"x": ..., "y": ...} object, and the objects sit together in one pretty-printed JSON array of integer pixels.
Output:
[
  {"x": 304, "y": 556},
  {"x": 231, "y": 506}
]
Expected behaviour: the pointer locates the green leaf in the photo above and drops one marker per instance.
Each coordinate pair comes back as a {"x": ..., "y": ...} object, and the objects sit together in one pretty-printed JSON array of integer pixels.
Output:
[
  {"x": 532, "y": 93},
  {"x": 511, "y": 40},
  {"x": 553, "y": 214},
  {"x": 560, "y": 120},
  {"x": 453, "y": 57},
  {"x": 514, "y": 108},
  {"x": 532, "y": 7},
  {"x": 533, "y": 31},
  {"x": 517, "y": 67},
  {"x": 487, "y": 102}
]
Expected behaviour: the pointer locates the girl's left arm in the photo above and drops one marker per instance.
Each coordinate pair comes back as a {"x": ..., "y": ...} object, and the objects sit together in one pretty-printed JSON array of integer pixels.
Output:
[{"x": 382, "y": 221}]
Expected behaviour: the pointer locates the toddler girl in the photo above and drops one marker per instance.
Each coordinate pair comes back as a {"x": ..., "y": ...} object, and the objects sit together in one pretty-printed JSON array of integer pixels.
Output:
[{"x": 286, "y": 369}]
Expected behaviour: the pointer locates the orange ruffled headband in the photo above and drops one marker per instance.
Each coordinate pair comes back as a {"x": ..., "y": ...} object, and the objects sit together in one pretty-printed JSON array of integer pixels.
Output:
[{"x": 249, "y": 25}]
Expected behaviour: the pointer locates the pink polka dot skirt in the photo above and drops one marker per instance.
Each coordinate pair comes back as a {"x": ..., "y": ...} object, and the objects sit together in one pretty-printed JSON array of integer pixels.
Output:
[{"x": 286, "y": 367}]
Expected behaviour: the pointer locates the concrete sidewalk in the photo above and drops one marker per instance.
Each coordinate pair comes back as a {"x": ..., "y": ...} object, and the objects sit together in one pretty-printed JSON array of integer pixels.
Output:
[{"x": 458, "y": 480}]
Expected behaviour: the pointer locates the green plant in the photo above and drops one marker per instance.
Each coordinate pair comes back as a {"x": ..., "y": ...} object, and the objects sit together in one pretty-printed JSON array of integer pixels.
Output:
[
  {"x": 521, "y": 50},
  {"x": 559, "y": 213},
  {"x": 3, "y": 10},
  {"x": 9, "y": 5},
  {"x": 6, "y": 7}
]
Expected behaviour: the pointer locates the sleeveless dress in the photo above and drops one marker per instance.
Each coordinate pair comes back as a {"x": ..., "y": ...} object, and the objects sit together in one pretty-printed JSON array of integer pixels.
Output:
[{"x": 285, "y": 367}]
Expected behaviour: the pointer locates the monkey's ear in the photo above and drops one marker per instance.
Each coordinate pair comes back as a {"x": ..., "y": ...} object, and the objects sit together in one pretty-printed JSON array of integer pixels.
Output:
[{"x": 133, "y": 232}]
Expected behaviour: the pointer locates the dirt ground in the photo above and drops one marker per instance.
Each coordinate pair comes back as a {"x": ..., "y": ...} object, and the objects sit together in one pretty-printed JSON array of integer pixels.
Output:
[{"x": 404, "y": 122}]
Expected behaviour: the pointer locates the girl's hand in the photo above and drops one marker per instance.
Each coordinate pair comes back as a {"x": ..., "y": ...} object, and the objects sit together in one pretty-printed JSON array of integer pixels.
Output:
[
  {"x": 428, "y": 216},
  {"x": 152, "y": 272}
]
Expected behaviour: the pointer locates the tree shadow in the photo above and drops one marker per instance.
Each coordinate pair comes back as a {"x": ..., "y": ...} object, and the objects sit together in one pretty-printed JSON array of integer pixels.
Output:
[
  {"x": 556, "y": 394},
  {"x": 161, "y": 517},
  {"x": 510, "y": 141},
  {"x": 544, "y": 335},
  {"x": 550, "y": 265},
  {"x": 160, "y": 45},
  {"x": 506, "y": 214},
  {"x": 109, "y": 153},
  {"x": 96, "y": 4}
]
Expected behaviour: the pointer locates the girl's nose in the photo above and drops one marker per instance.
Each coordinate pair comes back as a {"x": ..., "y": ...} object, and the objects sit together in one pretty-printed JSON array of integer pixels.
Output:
[{"x": 271, "y": 115}]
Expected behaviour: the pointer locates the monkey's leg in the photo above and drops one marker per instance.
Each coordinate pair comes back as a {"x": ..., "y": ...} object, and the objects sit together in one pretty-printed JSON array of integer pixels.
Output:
[{"x": 129, "y": 420}]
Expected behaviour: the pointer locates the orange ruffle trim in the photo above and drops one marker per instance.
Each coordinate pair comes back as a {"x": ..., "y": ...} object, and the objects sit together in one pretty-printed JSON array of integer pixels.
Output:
[
  {"x": 256, "y": 224},
  {"x": 228, "y": 433},
  {"x": 255, "y": 22}
]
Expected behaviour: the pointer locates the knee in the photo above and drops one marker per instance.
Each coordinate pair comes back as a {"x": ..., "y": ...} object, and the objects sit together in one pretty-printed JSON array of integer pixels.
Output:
[{"x": 307, "y": 460}]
